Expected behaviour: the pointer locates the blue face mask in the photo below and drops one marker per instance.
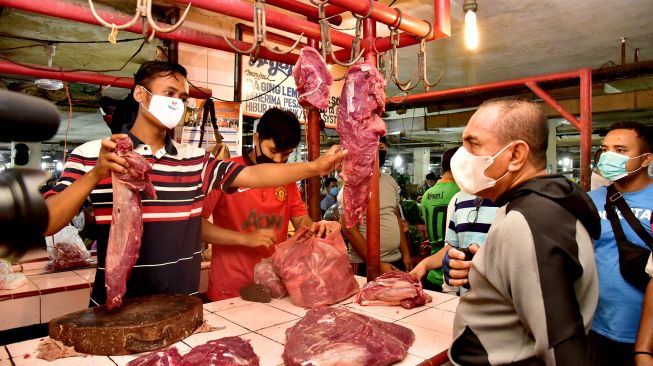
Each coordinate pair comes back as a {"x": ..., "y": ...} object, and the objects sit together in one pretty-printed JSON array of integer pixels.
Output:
[
  {"x": 613, "y": 165},
  {"x": 334, "y": 191}
]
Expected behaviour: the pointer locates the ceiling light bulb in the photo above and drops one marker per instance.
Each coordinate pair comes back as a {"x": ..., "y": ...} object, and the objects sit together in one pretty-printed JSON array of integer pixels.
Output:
[
  {"x": 398, "y": 161},
  {"x": 471, "y": 30}
]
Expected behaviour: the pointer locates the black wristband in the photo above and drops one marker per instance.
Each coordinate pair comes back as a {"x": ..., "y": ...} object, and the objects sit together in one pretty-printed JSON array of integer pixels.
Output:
[{"x": 643, "y": 353}]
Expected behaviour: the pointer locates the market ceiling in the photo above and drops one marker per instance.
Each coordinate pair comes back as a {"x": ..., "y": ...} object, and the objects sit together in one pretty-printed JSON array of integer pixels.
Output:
[{"x": 517, "y": 39}]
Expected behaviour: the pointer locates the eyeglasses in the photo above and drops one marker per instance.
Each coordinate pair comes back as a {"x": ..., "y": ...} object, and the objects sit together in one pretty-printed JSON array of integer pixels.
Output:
[{"x": 472, "y": 216}]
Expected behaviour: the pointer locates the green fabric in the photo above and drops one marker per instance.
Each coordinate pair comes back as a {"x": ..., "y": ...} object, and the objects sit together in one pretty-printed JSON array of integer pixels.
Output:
[{"x": 434, "y": 211}]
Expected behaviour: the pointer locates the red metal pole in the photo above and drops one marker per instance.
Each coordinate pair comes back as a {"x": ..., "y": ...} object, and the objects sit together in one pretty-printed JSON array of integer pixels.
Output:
[
  {"x": 373, "y": 235},
  {"x": 313, "y": 142},
  {"x": 7, "y": 67},
  {"x": 308, "y": 11},
  {"x": 245, "y": 11},
  {"x": 552, "y": 102},
  {"x": 81, "y": 13},
  {"x": 585, "y": 126},
  {"x": 274, "y": 37},
  {"x": 386, "y": 15}
]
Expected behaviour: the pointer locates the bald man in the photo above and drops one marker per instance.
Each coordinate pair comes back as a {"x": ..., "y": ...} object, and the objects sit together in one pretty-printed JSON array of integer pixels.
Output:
[{"x": 533, "y": 283}]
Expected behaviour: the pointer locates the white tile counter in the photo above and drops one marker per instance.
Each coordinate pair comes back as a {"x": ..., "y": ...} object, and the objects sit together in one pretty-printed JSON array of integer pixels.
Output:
[{"x": 265, "y": 326}]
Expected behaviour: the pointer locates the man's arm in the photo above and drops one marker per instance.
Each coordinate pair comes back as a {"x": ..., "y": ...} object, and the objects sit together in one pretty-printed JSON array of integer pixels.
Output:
[
  {"x": 217, "y": 235},
  {"x": 65, "y": 204},
  {"x": 433, "y": 261},
  {"x": 644, "y": 341},
  {"x": 273, "y": 175},
  {"x": 403, "y": 243},
  {"x": 299, "y": 221}
]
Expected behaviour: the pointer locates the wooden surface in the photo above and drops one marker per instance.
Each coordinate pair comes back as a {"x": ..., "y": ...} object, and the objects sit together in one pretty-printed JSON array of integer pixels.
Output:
[{"x": 140, "y": 324}]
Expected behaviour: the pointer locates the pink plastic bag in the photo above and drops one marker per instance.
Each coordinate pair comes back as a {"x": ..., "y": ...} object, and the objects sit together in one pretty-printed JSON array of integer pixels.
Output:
[
  {"x": 265, "y": 275},
  {"x": 316, "y": 271}
]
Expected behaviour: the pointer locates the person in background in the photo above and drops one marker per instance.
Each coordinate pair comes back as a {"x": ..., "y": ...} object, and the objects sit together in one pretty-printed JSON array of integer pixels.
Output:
[
  {"x": 249, "y": 222},
  {"x": 170, "y": 252},
  {"x": 597, "y": 180},
  {"x": 644, "y": 344},
  {"x": 395, "y": 252},
  {"x": 626, "y": 155},
  {"x": 434, "y": 212},
  {"x": 331, "y": 197},
  {"x": 429, "y": 182},
  {"x": 534, "y": 285}
]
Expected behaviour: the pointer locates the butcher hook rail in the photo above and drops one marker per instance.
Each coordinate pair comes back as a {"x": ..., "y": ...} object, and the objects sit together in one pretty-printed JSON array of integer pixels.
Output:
[
  {"x": 144, "y": 11},
  {"x": 260, "y": 35}
]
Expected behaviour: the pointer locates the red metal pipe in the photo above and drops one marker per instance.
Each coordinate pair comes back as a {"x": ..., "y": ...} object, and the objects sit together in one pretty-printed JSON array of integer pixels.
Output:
[
  {"x": 373, "y": 232},
  {"x": 308, "y": 10},
  {"x": 585, "y": 126},
  {"x": 7, "y": 67},
  {"x": 243, "y": 10},
  {"x": 275, "y": 37},
  {"x": 552, "y": 102},
  {"x": 77, "y": 12},
  {"x": 313, "y": 142},
  {"x": 441, "y": 29}
]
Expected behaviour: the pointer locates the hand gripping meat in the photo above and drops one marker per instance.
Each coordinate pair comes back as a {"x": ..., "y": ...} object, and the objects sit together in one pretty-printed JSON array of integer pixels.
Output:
[
  {"x": 126, "y": 221},
  {"x": 359, "y": 125}
]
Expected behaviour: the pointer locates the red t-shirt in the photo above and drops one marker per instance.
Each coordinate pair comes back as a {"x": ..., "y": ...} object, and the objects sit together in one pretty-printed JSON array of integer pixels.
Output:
[{"x": 232, "y": 266}]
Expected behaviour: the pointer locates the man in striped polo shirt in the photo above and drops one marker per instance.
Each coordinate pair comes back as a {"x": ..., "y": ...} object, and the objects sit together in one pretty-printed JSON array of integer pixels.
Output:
[{"x": 169, "y": 259}]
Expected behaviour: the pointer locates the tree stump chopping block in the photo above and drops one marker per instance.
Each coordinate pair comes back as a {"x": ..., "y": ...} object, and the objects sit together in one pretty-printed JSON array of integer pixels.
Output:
[{"x": 141, "y": 324}]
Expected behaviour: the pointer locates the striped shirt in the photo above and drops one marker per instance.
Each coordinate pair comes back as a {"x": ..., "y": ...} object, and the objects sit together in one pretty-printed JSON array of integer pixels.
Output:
[
  {"x": 470, "y": 220},
  {"x": 170, "y": 253}
]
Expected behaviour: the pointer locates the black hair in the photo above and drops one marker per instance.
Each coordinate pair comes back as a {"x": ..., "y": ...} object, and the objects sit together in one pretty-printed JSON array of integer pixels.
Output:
[
  {"x": 644, "y": 132},
  {"x": 154, "y": 69},
  {"x": 124, "y": 114},
  {"x": 282, "y": 127},
  {"x": 329, "y": 180},
  {"x": 597, "y": 156},
  {"x": 522, "y": 119},
  {"x": 384, "y": 140},
  {"x": 431, "y": 176},
  {"x": 446, "y": 159}
]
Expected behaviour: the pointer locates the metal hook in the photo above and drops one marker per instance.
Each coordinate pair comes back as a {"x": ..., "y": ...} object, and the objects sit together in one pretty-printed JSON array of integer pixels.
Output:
[
  {"x": 394, "y": 63},
  {"x": 139, "y": 9},
  {"x": 421, "y": 60},
  {"x": 325, "y": 38},
  {"x": 264, "y": 33},
  {"x": 150, "y": 20}
]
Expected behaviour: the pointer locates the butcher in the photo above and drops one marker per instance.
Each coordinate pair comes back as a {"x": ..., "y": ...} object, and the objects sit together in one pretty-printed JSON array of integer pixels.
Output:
[{"x": 170, "y": 251}]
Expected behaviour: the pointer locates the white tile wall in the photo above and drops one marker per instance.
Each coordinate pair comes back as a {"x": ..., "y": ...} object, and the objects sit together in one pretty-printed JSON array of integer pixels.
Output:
[
  {"x": 20, "y": 312},
  {"x": 60, "y": 303}
]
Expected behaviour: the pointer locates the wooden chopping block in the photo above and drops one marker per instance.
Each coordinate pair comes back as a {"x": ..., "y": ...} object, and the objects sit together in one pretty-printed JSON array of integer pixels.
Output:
[{"x": 141, "y": 324}]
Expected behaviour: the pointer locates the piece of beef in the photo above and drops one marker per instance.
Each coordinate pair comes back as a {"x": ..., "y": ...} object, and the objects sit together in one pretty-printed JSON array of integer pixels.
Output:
[
  {"x": 338, "y": 336},
  {"x": 68, "y": 255},
  {"x": 126, "y": 221},
  {"x": 394, "y": 288},
  {"x": 169, "y": 357},
  {"x": 265, "y": 275},
  {"x": 227, "y": 351},
  {"x": 315, "y": 271},
  {"x": 359, "y": 125},
  {"x": 312, "y": 78}
]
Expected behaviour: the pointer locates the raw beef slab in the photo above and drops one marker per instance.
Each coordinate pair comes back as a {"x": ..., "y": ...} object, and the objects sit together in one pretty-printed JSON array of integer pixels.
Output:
[
  {"x": 227, "y": 351},
  {"x": 338, "y": 336},
  {"x": 312, "y": 78},
  {"x": 394, "y": 288},
  {"x": 126, "y": 221},
  {"x": 359, "y": 125}
]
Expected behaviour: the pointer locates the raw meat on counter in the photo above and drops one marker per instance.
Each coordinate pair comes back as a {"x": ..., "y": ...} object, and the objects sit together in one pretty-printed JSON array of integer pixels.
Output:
[
  {"x": 315, "y": 271},
  {"x": 265, "y": 275},
  {"x": 312, "y": 78},
  {"x": 227, "y": 351},
  {"x": 338, "y": 336},
  {"x": 359, "y": 125},
  {"x": 394, "y": 288},
  {"x": 126, "y": 221}
]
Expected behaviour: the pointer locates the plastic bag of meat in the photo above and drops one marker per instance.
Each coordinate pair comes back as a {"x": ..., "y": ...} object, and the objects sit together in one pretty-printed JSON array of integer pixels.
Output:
[
  {"x": 338, "y": 336},
  {"x": 265, "y": 275},
  {"x": 315, "y": 271},
  {"x": 359, "y": 125},
  {"x": 227, "y": 351},
  {"x": 126, "y": 221},
  {"x": 394, "y": 288},
  {"x": 8, "y": 279},
  {"x": 66, "y": 250},
  {"x": 312, "y": 78}
]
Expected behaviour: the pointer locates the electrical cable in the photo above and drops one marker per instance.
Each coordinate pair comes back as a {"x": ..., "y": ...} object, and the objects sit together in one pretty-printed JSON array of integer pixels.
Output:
[
  {"x": 70, "y": 117},
  {"x": 241, "y": 100},
  {"x": 48, "y": 41},
  {"x": 21, "y": 47}
]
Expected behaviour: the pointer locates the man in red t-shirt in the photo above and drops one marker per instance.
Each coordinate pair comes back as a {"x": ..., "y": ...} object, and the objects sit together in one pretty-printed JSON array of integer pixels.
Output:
[{"x": 249, "y": 222}]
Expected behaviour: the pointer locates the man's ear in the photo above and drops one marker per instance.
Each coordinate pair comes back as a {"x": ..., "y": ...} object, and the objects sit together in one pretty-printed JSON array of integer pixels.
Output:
[
  {"x": 256, "y": 138},
  {"x": 648, "y": 159},
  {"x": 520, "y": 154},
  {"x": 139, "y": 94}
]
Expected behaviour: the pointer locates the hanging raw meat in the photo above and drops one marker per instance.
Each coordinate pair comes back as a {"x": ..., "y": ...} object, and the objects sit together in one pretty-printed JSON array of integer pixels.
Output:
[
  {"x": 359, "y": 125},
  {"x": 338, "y": 336},
  {"x": 312, "y": 78},
  {"x": 126, "y": 221},
  {"x": 394, "y": 288}
]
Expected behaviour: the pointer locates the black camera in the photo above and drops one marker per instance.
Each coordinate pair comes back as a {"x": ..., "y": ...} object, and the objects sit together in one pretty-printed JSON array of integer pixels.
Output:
[{"x": 23, "y": 214}]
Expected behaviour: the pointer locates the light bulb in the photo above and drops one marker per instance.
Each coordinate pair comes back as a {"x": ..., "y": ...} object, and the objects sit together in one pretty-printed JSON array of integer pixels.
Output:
[
  {"x": 471, "y": 30},
  {"x": 398, "y": 161}
]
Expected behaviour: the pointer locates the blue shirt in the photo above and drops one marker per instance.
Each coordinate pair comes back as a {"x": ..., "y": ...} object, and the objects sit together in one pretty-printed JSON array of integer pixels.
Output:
[
  {"x": 620, "y": 304},
  {"x": 470, "y": 221}
]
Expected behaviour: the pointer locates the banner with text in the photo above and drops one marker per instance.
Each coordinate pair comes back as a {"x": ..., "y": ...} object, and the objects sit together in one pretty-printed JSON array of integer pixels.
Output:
[{"x": 228, "y": 117}]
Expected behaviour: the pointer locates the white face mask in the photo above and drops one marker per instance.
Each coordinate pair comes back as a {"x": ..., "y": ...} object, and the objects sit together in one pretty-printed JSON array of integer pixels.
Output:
[
  {"x": 469, "y": 170},
  {"x": 597, "y": 181},
  {"x": 166, "y": 109}
]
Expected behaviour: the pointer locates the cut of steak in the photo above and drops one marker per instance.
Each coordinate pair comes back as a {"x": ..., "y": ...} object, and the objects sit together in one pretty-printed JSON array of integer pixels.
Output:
[
  {"x": 227, "y": 351},
  {"x": 338, "y": 336},
  {"x": 126, "y": 221},
  {"x": 359, "y": 125},
  {"x": 169, "y": 357},
  {"x": 312, "y": 78},
  {"x": 393, "y": 288},
  {"x": 265, "y": 275}
]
